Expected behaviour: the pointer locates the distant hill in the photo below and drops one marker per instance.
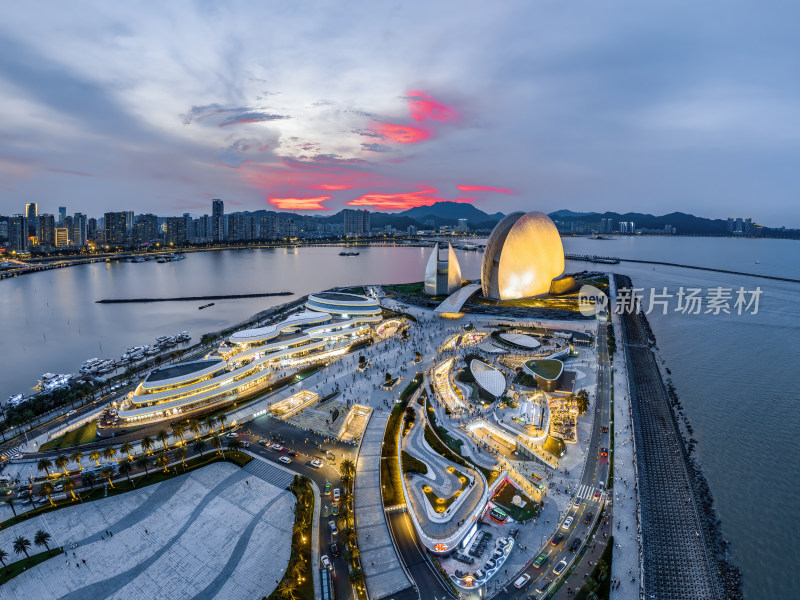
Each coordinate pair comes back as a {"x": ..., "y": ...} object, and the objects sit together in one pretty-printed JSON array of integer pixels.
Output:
[
  {"x": 684, "y": 224},
  {"x": 568, "y": 213}
]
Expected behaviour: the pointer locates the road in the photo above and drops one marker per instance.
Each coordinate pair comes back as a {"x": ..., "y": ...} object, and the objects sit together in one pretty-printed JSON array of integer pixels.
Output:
[{"x": 590, "y": 490}]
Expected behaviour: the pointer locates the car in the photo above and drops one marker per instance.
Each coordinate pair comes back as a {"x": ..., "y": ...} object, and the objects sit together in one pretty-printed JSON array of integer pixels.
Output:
[
  {"x": 588, "y": 518},
  {"x": 605, "y": 429},
  {"x": 292, "y": 452},
  {"x": 596, "y": 495},
  {"x": 335, "y": 510},
  {"x": 285, "y": 460},
  {"x": 603, "y": 451},
  {"x": 245, "y": 444},
  {"x": 72, "y": 412},
  {"x": 263, "y": 442},
  {"x": 544, "y": 585},
  {"x": 559, "y": 568},
  {"x": 334, "y": 549},
  {"x": 574, "y": 544},
  {"x": 328, "y": 487},
  {"x": 277, "y": 447},
  {"x": 315, "y": 463},
  {"x": 567, "y": 522},
  {"x": 557, "y": 539},
  {"x": 576, "y": 503},
  {"x": 326, "y": 562},
  {"x": 232, "y": 434},
  {"x": 522, "y": 580},
  {"x": 334, "y": 529},
  {"x": 336, "y": 494},
  {"x": 540, "y": 560}
]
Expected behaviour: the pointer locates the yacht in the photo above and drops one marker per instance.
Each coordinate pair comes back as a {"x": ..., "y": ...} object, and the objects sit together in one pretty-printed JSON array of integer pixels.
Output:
[{"x": 151, "y": 350}]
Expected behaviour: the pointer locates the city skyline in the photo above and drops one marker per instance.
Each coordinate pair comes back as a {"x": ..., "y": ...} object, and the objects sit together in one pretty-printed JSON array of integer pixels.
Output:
[{"x": 113, "y": 108}]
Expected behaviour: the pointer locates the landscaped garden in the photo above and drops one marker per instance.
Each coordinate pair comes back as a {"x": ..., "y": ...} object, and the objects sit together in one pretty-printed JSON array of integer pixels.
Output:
[
  {"x": 547, "y": 368},
  {"x": 505, "y": 496},
  {"x": 442, "y": 504}
]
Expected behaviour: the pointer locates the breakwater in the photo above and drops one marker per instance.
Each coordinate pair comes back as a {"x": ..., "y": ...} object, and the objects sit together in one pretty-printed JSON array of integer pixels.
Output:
[
  {"x": 615, "y": 260},
  {"x": 191, "y": 298},
  {"x": 678, "y": 522}
]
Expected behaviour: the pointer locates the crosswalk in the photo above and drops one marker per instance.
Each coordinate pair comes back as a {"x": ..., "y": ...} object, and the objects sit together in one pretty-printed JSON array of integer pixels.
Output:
[
  {"x": 586, "y": 491},
  {"x": 269, "y": 473}
]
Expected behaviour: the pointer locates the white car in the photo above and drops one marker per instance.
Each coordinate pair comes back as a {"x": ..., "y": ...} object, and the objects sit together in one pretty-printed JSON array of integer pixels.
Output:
[
  {"x": 326, "y": 562},
  {"x": 316, "y": 463},
  {"x": 336, "y": 494},
  {"x": 285, "y": 460},
  {"x": 559, "y": 568},
  {"x": 522, "y": 580},
  {"x": 277, "y": 447},
  {"x": 567, "y": 523}
]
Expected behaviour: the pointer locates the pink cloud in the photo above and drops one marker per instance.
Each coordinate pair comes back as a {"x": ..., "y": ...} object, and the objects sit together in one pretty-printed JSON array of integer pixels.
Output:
[
  {"x": 400, "y": 134},
  {"x": 402, "y": 200},
  {"x": 300, "y": 203},
  {"x": 423, "y": 107},
  {"x": 483, "y": 188}
]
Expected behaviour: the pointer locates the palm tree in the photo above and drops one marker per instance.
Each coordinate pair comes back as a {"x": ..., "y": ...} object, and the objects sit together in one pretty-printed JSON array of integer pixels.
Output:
[
  {"x": 44, "y": 464},
  {"x": 76, "y": 457},
  {"x": 181, "y": 454},
  {"x": 287, "y": 589},
  {"x": 221, "y": 419},
  {"x": 162, "y": 436},
  {"x": 21, "y": 544},
  {"x": 61, "y": 463},
  {"x": 95, "y": 456},
  {"x": 162, "y": 461},
  {"x": 69, "y": 486},
  {"x": 199, "y": 446},
  {"x": 47, "y": 489},
  {"x": 142, "y": 462},
  {"x": 217, "y": 441},
  {"x": 234, "y": 444},
  {"x": 178, "y": 429},
  {"x": 125, "y": 467},
  {"x": 348, "y": 469},
  {"x": 41, "y": 538},
  {"x": 108, "y": 473},
  {"x": 10, "y": 502},
  {"x": 209, "y": 422},
  {"x": 126, "y": 448},
  {"x": 89, "y": 479},
  {"x": 195, "y": 427},
  {"x": 3, "y": 556},
  {"x": 147, "y": 443},
  {"x": 109, "y": 453}
]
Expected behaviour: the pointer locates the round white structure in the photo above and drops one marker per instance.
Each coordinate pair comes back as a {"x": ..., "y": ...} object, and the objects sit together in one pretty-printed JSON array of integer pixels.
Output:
[
  {"x": 523, "y": 255},
  {"x": 346, "y": 306},
  {"x": 520, "y": 339},
  {"x": 489, "y": 378}
]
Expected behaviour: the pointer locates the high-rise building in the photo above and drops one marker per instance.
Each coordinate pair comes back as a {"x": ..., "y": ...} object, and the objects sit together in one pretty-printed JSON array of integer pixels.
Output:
[
  {"x": 31, "y": 212},
  {"x": 18, "y": 233},
  {"x": 187, "y": 227},
  {"x": 462, "y": 226},
  {"x": 62, "y": 237},
  {"x": 267, "y": 226},
  {"x": 67, "y": 224},
  {"x": 91, "y": 229},
  {"x": 356, "y": 222},
  {"x": 146, "y": 229},
  {"x": 129, "y": 220},
  {"x": 47, "y": 230},
  {"x": 62, "y": 214},
  {"x": 218, "y": 223},
  {"x": 115, "y": 228},
  {"x": 176, "y": 231},
  {"x": 79, "y": 233}
]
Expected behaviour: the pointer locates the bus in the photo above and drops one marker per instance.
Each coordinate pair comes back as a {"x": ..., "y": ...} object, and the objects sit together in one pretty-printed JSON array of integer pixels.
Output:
[
  {"x": 498, "y": 514},
  {"x": 326, "y": 583}
]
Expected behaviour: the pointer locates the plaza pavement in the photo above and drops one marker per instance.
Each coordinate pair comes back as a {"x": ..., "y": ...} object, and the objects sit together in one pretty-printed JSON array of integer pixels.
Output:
[{"x": 218, "y": 532}]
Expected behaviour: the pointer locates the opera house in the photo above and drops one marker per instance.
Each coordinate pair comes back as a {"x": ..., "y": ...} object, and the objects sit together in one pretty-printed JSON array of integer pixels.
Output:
[
  {"x": 442, "y": 277},
  {"x": 523, "y": 255}
]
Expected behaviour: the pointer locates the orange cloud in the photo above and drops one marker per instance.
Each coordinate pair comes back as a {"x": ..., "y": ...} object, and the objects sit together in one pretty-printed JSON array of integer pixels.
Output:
[
  {"x": 300, "y": 203},
  {"x": 400, "y": 134},
  {"x": 482, "y": 188},
  {"x": 423, "y": 107},
  {"x": 402, "y": 200},
  {"x": 332, "y": 186}
]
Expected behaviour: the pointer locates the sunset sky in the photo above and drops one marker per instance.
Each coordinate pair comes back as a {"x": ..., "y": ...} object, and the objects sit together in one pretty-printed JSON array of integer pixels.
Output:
[{"x": 314, "y": 106}]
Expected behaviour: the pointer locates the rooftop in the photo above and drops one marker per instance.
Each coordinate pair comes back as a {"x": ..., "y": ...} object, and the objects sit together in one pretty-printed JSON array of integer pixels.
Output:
[
  {"x": 182, "y": 369},
  {"x": 546, "y": 368}
]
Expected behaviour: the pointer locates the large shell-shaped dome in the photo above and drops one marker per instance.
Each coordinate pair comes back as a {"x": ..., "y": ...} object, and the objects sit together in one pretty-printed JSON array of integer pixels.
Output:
[{"x": 523, "y": 255}]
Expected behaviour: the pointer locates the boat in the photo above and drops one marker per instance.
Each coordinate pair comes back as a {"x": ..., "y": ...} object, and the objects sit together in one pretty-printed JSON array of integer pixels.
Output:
[
  {"x": 151, "y": 350},
  {"x": 178, "y": 257},
  {"x": 138, "y": 259},
  {"x": 349, "y": 253},
  {"x": 205, "y": 306}
]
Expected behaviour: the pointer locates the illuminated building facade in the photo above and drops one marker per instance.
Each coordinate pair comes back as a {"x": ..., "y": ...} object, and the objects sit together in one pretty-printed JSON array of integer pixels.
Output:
[
  {"x": 442, "y": 277},
  {"x": 523, "y": 255}
]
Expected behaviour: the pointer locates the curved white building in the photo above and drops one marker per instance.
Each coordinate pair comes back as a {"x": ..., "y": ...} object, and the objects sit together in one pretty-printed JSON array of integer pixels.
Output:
[
  {"x": 489, "y": 378},
  {"x": 442, "y": 276},
  {"x": 520, "y": 339},
  {"x": 346, "y": 306},
  {"x": 523, "y": 255}
]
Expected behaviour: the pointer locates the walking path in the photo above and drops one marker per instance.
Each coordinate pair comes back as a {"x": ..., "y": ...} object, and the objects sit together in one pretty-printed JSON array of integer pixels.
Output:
[{"x": 201, "y": 535}]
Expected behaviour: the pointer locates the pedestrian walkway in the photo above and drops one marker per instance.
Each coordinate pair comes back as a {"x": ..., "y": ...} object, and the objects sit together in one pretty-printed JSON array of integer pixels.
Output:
[
  {"x": 379, "y": 560},
  {"x": 587, "y": 491},
  {"x": 270, "y": 473}
]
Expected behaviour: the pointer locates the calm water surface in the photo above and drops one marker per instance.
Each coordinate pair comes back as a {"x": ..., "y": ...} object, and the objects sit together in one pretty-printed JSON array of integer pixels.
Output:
[{"x": 736, "y": 375}]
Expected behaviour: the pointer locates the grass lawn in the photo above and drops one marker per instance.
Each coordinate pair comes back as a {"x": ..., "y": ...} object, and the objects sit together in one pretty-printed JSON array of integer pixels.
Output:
[
  {"x": 15, "y": 568},
  {"x": 390, "y": 472},
  {"x": 411, "y": 464},
  {"x": 441, "y": 504},
  {"x": 82, "y": 435},
  {"x": 549, "y": 368},
  {"x": 504, "y": 496}
]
